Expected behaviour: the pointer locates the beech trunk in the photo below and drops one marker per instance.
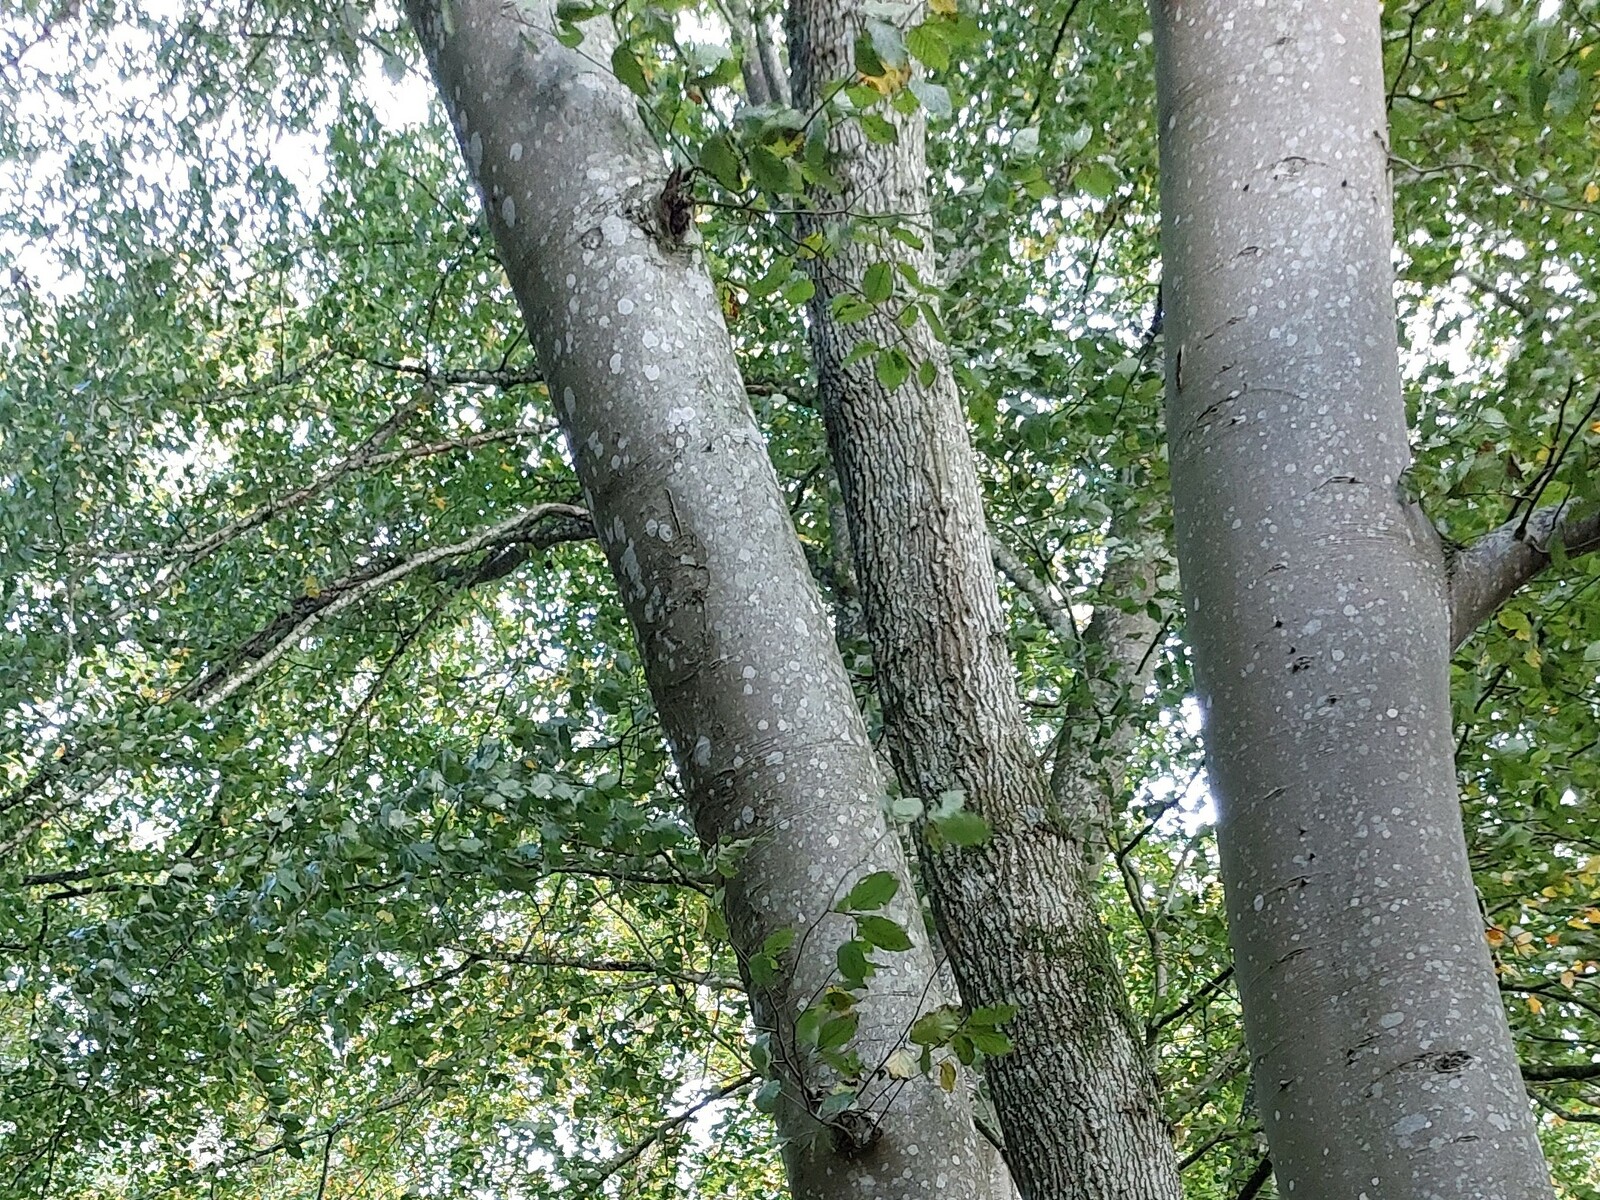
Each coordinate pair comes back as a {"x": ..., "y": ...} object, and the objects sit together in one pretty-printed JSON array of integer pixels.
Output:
[
  {"x": 1319, "y": 619},
  {"x": 736, "y": 645}
]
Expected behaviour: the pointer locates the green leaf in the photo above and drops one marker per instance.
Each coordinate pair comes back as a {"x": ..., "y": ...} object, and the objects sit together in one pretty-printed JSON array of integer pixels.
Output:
[
  {"x": 877, "y": 283},
  {"x": 872, "y": 891},
  {"x": 929, "y": 44},
  {"x": 883, "y": 933},
  {"x": 854, "y": 966},
  {"x": 935, "y": 1028},
  {"x": 963, "y": 829},
  {"x": 835, "y": 1103},
  {"x": 892, "y": 368},
  {"x": 879, "y": 130},
  {"x": 799, "y": 290},
  {"x": 992, "y": 1014},
  {"x": 766, "y": 1097},
  {"x": 1097, "y": 179},
  {"x": 718, "y": 159},
  {"x": 838, "y": 1031},
  {"x": 629, "y": 71},
  {"x": 770, "y": 172},
  {"x": 578, "y": 10},
  {"x": 990, "y": 1041},
  {"x": 778, "y": 941}
]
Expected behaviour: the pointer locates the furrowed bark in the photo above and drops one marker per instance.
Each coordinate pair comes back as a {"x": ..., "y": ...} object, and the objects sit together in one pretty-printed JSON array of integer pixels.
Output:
[
  {"x": 1319, "y": 619},
  {"x": 737, "y": 649},
  {"x": 1076, "y": 1098},
  {"x": 1488, "y": 573}
]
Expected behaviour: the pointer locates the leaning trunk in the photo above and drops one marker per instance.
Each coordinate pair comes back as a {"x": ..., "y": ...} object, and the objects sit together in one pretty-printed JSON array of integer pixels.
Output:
[
  {"x": 1318, "y": 618},
  {"x": 1075, "y": 1097},
  {"x": 737, "y": 650}
]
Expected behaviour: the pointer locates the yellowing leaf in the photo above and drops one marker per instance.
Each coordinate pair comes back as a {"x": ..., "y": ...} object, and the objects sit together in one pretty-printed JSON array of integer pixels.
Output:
[
  {"x": 902, "y": 1064},
  {"x": 1591, "y": 193},
  {"x": 947, "y": 8},
  {"x": 1568, "y": 978},
  {"x": 313, "y": 586},
  {"x": 1496, "y": 936},
  {"x": 891, "y": 81},
  {"x": 947, "y": 1075},
  {"x": 437, "y": 501},
  {"x": 1535, "y": 1004}
]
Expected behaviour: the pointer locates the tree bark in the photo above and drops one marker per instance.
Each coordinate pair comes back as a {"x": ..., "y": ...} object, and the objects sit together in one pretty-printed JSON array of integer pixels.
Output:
[
  {"x": 737, "y": 650},
  {"x": 1319, "y": 618},
  {"x": 1076, "y": 1097}
]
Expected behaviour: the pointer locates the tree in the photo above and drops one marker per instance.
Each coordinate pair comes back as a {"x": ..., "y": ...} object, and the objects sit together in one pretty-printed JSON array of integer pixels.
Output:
[
  {"x": 1322, "y": 614},
  {"x": 342, "y": 849}
]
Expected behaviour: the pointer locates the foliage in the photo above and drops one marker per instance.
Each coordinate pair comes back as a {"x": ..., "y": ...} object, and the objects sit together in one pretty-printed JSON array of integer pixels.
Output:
[{"x": 338, "y": 846}]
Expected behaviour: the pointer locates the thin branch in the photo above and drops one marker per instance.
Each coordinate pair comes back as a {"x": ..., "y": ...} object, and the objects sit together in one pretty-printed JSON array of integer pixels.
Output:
[
  {"x": 617, "y": 1161},
  {"x": 1055, "y": 616},
  {"x": 512, "y": 527},
  {"x": 1588, "y": 1118},
  {"x": 1258, "y": 1180},
  {"x": 1488, "y": 573},
  {"x": 1050, "y": 59},
  {"x": 1211, "y": 987},
  {"x": 1559, "y": 1072},
  {"x": 600, "y": 966}
]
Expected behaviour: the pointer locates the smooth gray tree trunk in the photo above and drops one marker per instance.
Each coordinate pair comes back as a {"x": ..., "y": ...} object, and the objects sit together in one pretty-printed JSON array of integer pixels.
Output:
[
  {"x": 1076, "y": 1097},
  {"x": 1319, "y": 619},
  {"x": 738, "y": 653}
]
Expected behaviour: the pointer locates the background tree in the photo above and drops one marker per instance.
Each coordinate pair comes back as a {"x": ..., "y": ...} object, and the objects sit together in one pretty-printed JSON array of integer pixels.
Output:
[{"x": 442, "y": 894}]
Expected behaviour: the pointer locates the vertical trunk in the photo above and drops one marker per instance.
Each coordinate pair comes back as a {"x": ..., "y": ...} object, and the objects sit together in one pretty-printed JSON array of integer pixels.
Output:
[
  {"x": 1318, "y": 618},
  {"x": 737, "y": 649},
  {"x": 1076, "y": 1098}
]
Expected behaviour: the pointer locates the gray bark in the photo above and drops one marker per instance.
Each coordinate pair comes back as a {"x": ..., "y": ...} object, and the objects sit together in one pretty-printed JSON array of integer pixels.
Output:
[
  {"x": 736, "y": 645},
  {"x": 1076, "y": 1098},
  {"x": 1487, "y": 573},
  {"x": 1319, "y": 619}
]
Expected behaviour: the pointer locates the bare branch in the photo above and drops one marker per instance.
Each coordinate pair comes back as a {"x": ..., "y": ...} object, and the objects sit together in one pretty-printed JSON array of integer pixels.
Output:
[
  {"x": 1559, "y": 1072},
  {"x": 506, "y": 530},
  {"x": 617, "y": 1161},
  {"x": 1055, "y": 616},
  {"x": 1488, "y": 573}
]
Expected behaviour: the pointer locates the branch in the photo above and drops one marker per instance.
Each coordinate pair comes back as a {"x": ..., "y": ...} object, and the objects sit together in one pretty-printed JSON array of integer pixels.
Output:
[
  {"x": 509, "y": 529},
  {"x": 600, "y": 966},
  {"x": 1055, "y": 616},
  {"x": 1589, "y": 1118},
  {"x": 616, "y": 1162},
  {"x": 1559, "y": 1072},
  {"x": 1257, "y": 1181},
  {"x": 1488, "y": 573},
  {"x": 1211, "y": 987}
]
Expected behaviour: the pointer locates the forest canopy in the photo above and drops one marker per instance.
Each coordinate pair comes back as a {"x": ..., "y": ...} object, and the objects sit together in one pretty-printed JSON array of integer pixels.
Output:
[{"x": 343, "y": 852}]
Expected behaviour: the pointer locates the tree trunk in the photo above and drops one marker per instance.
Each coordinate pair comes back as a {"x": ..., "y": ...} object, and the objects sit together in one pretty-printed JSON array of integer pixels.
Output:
[
  {"x": 1076, "y": 1098},
  {"x": 1318, "y": 618},
  {"x": 737, "y": 650}
]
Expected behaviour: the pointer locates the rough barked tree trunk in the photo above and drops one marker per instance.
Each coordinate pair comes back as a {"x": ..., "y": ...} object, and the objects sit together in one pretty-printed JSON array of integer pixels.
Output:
[
  {"x": 1076, "y": 1098},
  {"x": 1319, "y": 618},
  {"x": 737, "y": 648}
]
